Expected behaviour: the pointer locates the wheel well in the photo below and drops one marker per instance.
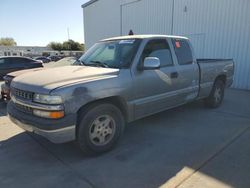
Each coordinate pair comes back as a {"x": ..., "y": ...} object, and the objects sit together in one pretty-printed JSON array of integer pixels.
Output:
[
  {"x": 116, "y": 101},
  {"x": 222, "y": 78}
]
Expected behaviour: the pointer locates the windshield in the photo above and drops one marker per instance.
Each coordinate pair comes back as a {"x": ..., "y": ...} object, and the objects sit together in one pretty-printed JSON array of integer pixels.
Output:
[{"x": 111, "y": 54}]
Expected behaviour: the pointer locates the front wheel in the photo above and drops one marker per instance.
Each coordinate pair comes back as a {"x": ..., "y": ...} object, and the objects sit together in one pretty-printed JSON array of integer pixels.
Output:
[
  {"x": 100, "y": 128},
  {"x": 216, "y": 96}
]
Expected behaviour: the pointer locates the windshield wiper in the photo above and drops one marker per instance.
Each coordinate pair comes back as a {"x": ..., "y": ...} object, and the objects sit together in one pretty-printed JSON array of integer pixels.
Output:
[
  {"x": 99, "y": 63},
  {"x": 80, "y": 62},
  {"x": 96, "y": 63}
]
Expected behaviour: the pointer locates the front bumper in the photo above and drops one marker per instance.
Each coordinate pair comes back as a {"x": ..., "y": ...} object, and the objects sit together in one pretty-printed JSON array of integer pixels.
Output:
[
  {"x": 56, "y": 131},
  {"x": 5, "y": 91}
]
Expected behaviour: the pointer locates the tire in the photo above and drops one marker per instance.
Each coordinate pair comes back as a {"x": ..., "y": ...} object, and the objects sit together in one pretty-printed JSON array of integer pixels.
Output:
[
  {"x": 216, "y": 96},
  {"x": 100, "y": 128}
]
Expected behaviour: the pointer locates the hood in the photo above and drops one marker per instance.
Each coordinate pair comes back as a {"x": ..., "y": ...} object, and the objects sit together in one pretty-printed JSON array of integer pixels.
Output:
[
  {"x": 45, "y": 80},
  {"x": 18, "y": 73}
]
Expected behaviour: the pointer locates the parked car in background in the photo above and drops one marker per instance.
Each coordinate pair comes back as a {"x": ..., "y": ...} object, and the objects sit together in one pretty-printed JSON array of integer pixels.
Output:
[
  {"x": 43, "y": 59},
  {"x": 54, "y": 57},
  {"x": 118, "y": 80},
  {"x": 5, "y": 87},
  {"x": 10, "y": 64}
]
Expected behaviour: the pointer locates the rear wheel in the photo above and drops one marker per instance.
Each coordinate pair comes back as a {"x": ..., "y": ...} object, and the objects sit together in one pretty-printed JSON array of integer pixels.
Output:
[
  {"x": 100, "y": 128},
  {"x": 216, "y": 96}
]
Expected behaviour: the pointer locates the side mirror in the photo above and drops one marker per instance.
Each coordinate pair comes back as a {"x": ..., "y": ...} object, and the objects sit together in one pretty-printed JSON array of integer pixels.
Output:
[{"x": 151, "y": 63}]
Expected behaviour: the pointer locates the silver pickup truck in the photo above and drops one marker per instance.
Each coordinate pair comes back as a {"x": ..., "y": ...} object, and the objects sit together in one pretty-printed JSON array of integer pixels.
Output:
[{"x": 116, "y": 81}]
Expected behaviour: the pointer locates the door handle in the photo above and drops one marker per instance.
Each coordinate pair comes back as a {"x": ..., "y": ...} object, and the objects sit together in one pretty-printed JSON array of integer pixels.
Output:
[{"x": 174, "y": 75}]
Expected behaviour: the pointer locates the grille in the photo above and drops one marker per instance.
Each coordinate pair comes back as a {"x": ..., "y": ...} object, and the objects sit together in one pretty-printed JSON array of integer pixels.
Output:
[
  {"x": 23, "y": 108},
  {"x": 22, "y": 94}
]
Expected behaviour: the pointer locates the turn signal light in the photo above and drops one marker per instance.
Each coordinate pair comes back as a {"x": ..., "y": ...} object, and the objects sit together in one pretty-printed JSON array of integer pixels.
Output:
[
  {"x": 49, "y": 114},
  {"x": 56, "y": 115}
]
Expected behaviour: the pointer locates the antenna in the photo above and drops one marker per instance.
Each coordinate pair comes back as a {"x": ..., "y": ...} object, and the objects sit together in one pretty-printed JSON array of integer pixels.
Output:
[{"x": 131, "y": 32}]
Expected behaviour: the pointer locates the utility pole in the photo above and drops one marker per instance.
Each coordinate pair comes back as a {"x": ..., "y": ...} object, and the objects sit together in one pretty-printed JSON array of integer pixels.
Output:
[
  {"x": 70, "y": 54},
  {"x": 68, "y": 33}
]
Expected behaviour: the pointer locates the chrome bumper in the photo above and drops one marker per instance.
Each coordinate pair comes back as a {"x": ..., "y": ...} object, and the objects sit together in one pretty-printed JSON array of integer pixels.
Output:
[{"x": 56, "y": 136}]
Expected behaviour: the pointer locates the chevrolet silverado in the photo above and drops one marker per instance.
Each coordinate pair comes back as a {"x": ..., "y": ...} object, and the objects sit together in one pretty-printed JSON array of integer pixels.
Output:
[{"x": 116, "y": 81}]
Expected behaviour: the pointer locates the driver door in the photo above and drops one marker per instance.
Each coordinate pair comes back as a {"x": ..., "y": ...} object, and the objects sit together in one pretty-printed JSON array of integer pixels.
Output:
[{"x": 156, "y": 89}]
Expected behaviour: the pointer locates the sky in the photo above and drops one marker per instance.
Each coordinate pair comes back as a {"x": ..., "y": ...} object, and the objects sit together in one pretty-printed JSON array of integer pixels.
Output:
[{"x": 38, "y": 22}]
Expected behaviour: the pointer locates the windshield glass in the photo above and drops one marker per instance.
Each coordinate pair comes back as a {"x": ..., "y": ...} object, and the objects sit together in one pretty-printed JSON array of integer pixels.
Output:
[{"x": 111, "y": 54}]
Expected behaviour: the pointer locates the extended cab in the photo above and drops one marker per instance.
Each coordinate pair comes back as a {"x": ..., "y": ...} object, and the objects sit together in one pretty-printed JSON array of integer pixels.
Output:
[{"x": 116, "y": 81}]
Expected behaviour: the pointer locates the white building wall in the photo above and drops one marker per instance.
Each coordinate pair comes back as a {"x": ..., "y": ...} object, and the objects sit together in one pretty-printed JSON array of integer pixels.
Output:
[
  {"x": 216, "y": 28},
  {"x": 147, "y": 17},
  {"x": 101, "y": 20}
]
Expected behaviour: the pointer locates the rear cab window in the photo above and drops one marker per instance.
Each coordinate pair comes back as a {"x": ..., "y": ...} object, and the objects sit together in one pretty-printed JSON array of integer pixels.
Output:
[
  {"x": 158, "y": 48},
  {"x": 183, "y": 51}
]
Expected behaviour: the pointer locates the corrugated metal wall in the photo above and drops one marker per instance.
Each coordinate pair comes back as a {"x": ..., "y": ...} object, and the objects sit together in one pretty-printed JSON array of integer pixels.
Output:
[
  {"x": 101, "y": 20},
  {"x": 217, "y": 28},
  {"x": 147, "y": 17}
]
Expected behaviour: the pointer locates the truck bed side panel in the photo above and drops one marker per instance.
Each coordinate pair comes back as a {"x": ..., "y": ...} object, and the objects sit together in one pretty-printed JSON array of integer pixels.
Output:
[{"x": 210, "y": 70}]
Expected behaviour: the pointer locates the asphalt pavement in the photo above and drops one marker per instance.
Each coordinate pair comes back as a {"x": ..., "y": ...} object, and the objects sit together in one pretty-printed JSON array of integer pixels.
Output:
[{"x": 189, "y": 146}]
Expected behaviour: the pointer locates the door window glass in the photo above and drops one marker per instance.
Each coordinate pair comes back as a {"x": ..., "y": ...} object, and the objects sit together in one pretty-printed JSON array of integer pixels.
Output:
[
  {"x": 5, "y": 61},
  {"x": 20, "y": 60},
  {"x": 2, "y": 61},
  {"x": 158, "y": 48}
]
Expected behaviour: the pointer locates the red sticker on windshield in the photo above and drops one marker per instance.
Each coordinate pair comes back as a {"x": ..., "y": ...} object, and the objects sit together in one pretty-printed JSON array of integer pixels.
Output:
[{"x": 177, "y": 44}]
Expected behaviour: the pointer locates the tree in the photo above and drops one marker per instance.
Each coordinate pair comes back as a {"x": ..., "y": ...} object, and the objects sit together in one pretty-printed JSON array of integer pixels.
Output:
[
  {"x": 7, "y": 41},
  {"x": 55, "y": 46},
  {"x": 72, "y": 45},
  {"x": 67, "y": 45}
]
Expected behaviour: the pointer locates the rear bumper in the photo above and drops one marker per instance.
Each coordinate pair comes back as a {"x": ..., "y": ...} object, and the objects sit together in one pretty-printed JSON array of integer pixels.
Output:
[{"x": 57, "y": 131}]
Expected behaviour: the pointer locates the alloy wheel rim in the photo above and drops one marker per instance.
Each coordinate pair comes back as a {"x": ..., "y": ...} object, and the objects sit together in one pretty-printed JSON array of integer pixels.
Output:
[
  {"x": 102, "y": 130},
  {"x": 218, "y": 94}
]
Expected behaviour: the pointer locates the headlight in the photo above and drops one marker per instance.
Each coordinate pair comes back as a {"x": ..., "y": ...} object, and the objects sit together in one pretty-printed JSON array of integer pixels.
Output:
[{"x": 47, "y": 99}]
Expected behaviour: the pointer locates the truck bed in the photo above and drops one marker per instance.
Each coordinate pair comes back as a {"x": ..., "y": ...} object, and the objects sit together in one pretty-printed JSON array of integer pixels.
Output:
[{"x": 210, "y": 69}]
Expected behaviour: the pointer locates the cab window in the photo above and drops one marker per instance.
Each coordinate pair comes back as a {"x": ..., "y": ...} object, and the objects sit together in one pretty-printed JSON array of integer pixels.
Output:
[{"x": 183, "y": 51}]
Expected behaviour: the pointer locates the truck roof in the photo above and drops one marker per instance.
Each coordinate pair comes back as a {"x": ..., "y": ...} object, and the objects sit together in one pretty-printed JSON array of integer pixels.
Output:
[{"x": 143, "y": 37}]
